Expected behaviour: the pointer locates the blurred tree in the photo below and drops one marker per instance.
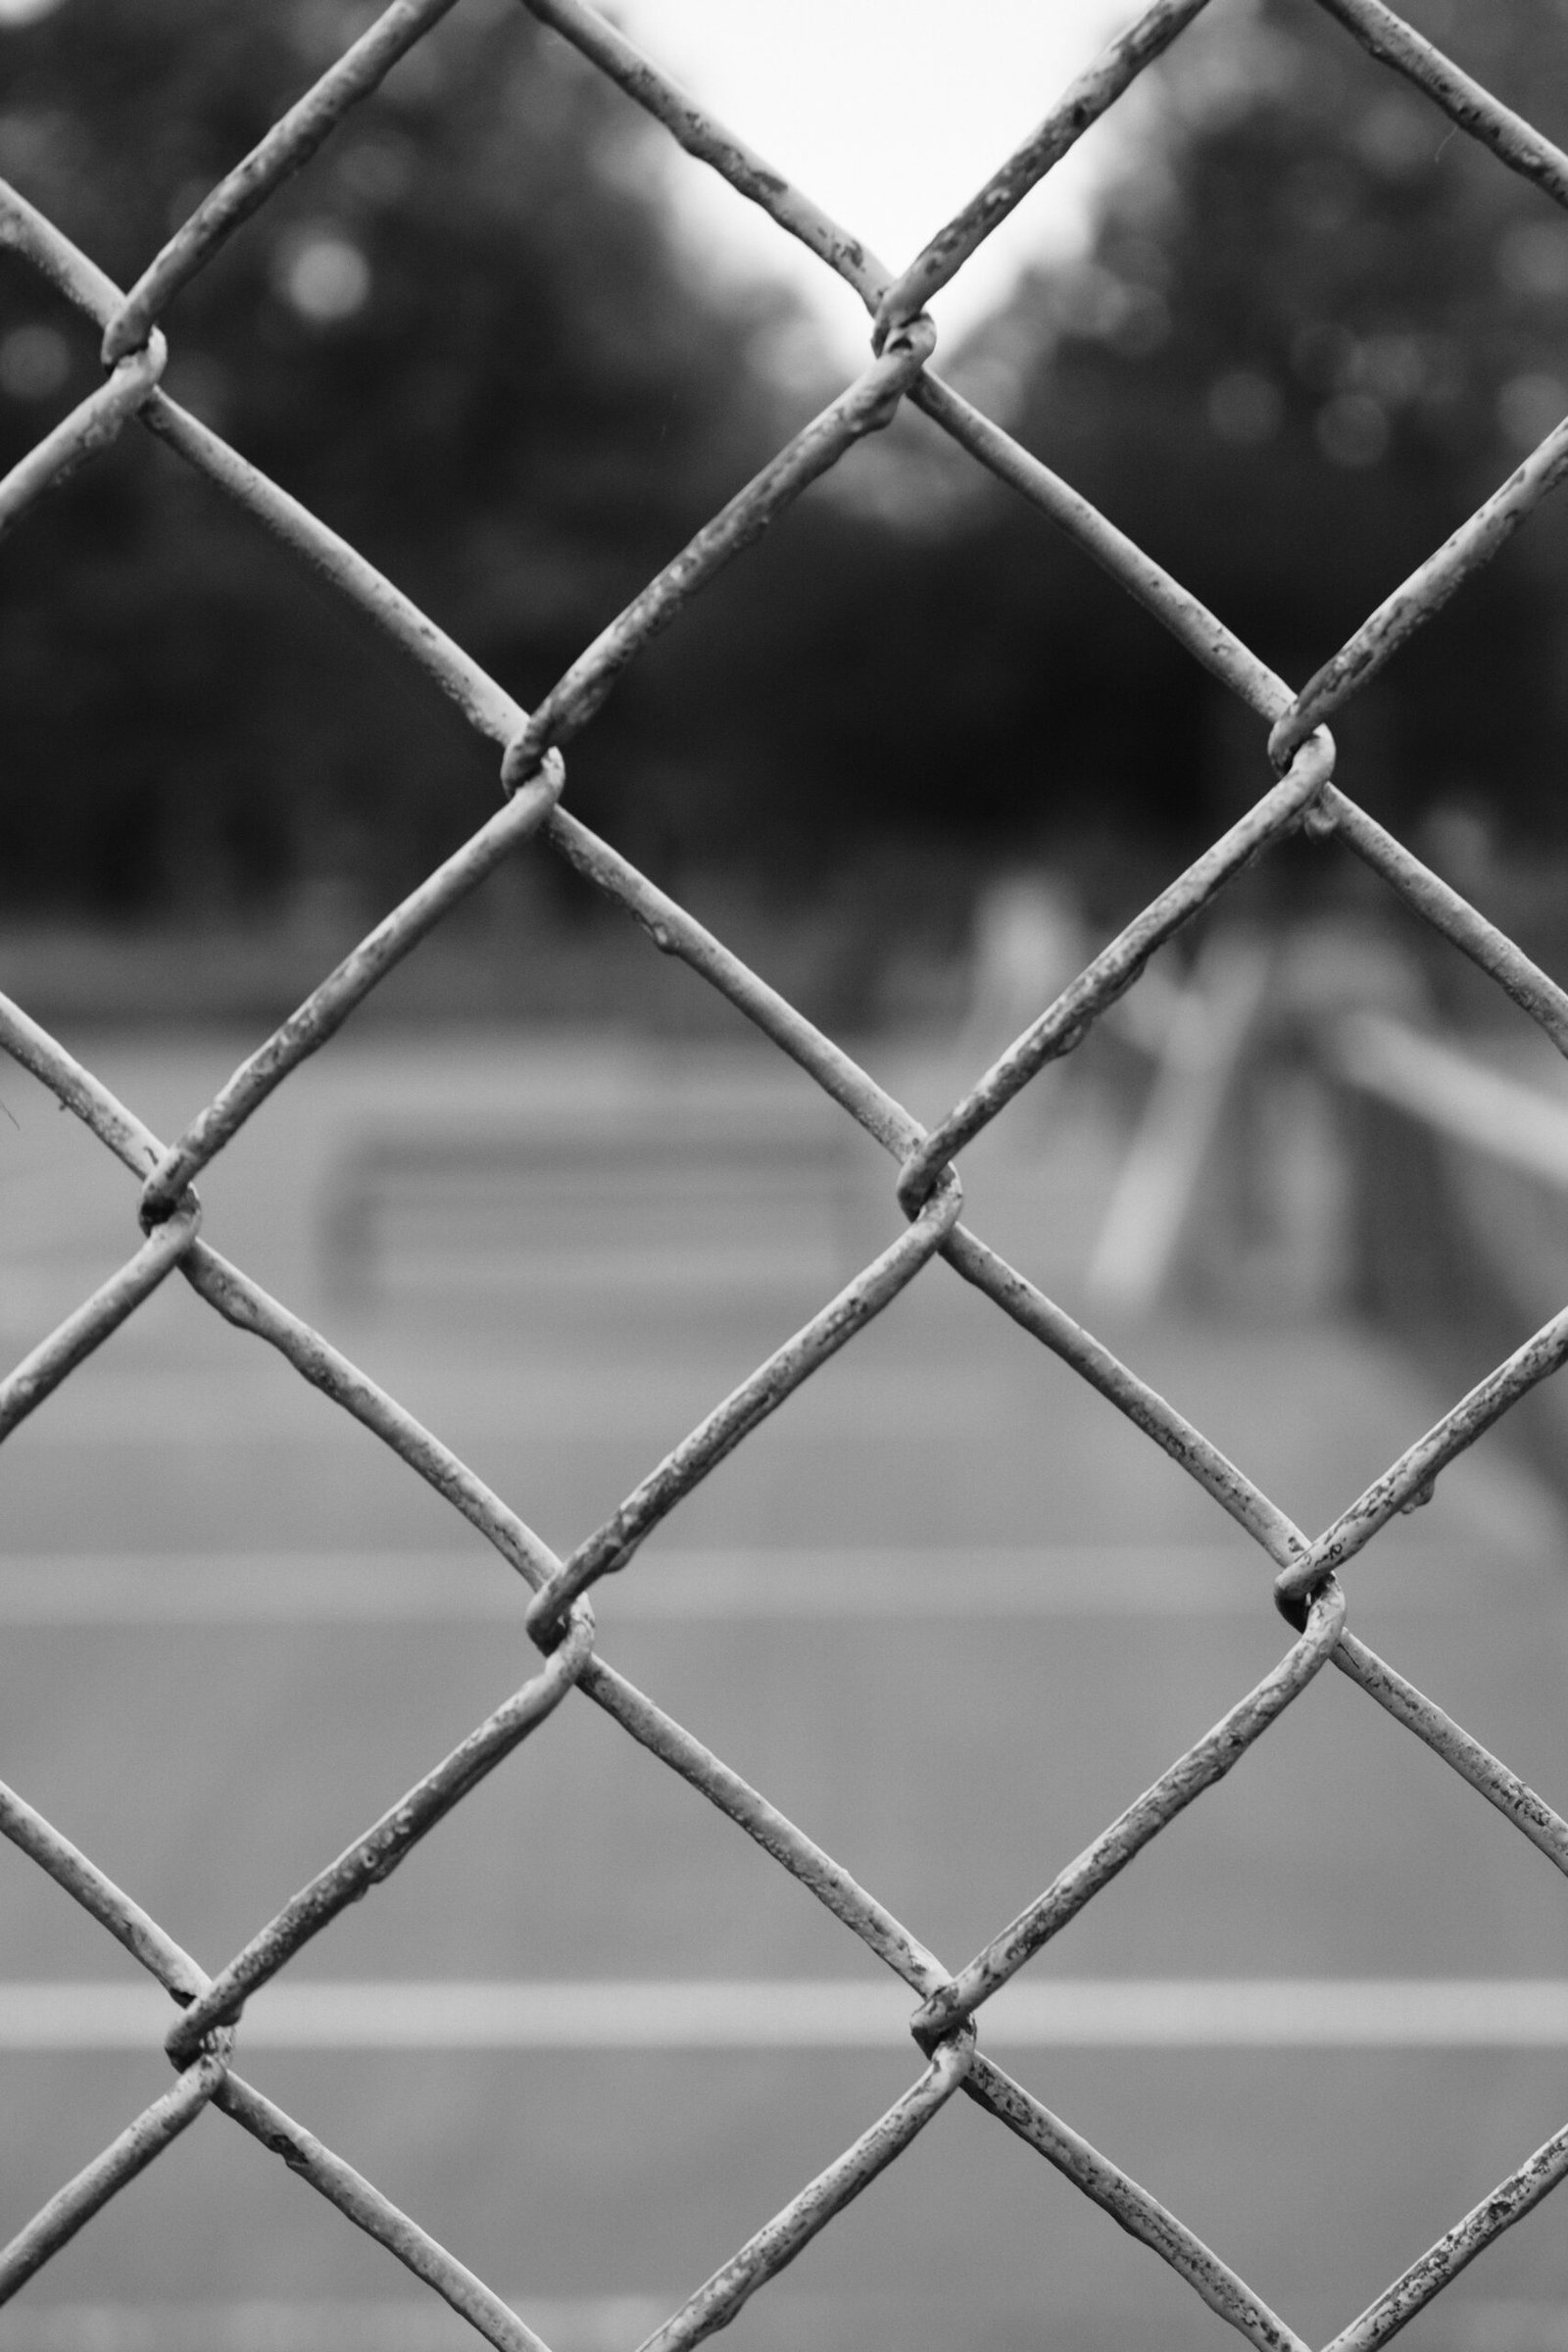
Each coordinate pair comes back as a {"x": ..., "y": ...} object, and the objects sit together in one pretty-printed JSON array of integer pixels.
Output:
[
  {"x": 1316, "y": 326},
  {"x": 462, "y": 335}
]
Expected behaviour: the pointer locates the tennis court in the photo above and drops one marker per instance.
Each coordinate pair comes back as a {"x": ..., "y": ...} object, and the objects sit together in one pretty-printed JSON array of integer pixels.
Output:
[{"x": 947, "y": 1608}]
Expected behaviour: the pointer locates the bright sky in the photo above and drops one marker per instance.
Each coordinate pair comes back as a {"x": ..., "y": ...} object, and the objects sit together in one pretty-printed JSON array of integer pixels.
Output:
[{"x": 890, "y": 114}]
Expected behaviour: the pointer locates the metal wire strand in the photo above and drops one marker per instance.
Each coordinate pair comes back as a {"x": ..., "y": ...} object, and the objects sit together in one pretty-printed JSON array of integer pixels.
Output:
[
  {"x": 1086, "y": 98},
  {"x": 40, "y": 1374},
  {"x": 1130, "y": 2206},
  {"x": 363, "y": 2203},
  {"x": 1207, "y": 1761},
  {"x": 289, "y": 144},
  {"x": 97, "y": 1894},
  {"x": 1411, "y": 1478},
  {"x": 1427, "y": 590},
  {"x": 1517, "y": 1802},
  {"x": 867, "y": 406},
  {"x": 779, "y": 2242},
  {"x": 1458, "y": 2247},
  {"x": 1116, "y": 967},
  {"x": 486, "y": 705},
  {"x": 327, "y": 1008},
  {"x": 109, "y": 1118},
  {"x": 243, "y": 1302},
  {"x": 927, "y": 1187},
  {"x": 92, "y": 425},
  {"x": 748, "y": 1406},
  {"x": 714, "y": 143},
  {"x": 56, "y": 2224},
  {"x": 1491, "y": 950},
  {"x": 377, "y": 1854},
  {"x": 1514, "y": 141}
]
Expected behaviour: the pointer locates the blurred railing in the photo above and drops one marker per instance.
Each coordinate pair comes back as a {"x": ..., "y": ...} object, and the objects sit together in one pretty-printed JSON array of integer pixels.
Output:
[
  {"x": 1226, "y": 1031},
  {"x": 1482, "y": 1150},
  {"x": 1453, "y": 1093},
  {"x": 208, "y": 2026}
]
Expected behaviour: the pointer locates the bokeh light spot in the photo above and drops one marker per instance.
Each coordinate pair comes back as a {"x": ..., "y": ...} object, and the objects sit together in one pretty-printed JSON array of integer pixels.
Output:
[{"x": 325, "y": 276}]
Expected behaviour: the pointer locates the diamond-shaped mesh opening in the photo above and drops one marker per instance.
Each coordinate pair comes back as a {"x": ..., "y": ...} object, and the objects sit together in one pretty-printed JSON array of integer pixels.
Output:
[{"x": 948, "y": 2015}]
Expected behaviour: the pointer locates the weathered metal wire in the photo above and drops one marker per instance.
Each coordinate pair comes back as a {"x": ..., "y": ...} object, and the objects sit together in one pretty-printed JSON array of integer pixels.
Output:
[
  {"x": 37, "y": 1374},
  {"x": 375, "y": 1855},
  {"x": 70, "y": 2208},
  {"x": 1457, "y": 2248},
  {"x": 867, "y": 406},
  {"x": 1131, "y": 2206},
  {"x": 328, "y": 1006},
  {"x": 1514, "y": 141},
  {"x": 747, "y": 1407},
  {"x": 90, "y": 428},
  {"x": 926, "y": 1187},
  {"x": 716, "y": 2302},
  {"x": 287, "y": 146},
  {"x": 1424, "y": 592},
  {"x": 1115, "y": 969},
  {"x": 1207, "y": 1761},
  {"x": 363, "y": 2204},
  {"x": 1411, "y": 1478},
  {"x": 1093, "y": 92}
]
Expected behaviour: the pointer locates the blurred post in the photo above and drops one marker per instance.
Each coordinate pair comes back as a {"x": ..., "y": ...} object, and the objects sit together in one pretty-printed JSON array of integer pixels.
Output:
[{"x": 1209, "y": 1025}]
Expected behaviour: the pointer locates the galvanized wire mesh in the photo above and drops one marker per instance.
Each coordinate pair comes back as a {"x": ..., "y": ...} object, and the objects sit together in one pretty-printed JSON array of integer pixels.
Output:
[{"x": 945, "y": 2024}]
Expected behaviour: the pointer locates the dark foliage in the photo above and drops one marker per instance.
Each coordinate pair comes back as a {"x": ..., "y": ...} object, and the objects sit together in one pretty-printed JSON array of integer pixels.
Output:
[
  {"x": 460, "y": 336},
  {"x": 1314, "y": 328}
]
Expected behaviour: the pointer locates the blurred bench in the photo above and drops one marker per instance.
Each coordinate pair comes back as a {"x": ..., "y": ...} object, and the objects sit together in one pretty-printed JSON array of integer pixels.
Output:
[{"x": 670, "y": 1208}]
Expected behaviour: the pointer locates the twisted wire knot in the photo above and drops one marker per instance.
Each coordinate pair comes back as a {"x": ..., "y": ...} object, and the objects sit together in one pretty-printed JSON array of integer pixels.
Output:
[{"x": 525, "y": 758}]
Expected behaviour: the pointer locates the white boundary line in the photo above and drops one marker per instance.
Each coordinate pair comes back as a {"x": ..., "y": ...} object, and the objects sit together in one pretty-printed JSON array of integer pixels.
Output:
[
  {"x": 1117, "y": 1579},
  {"x": 573, "y": 2323},
  {"x": 610, "y": 2322},
  {"x": 1273, "y": 2013}
]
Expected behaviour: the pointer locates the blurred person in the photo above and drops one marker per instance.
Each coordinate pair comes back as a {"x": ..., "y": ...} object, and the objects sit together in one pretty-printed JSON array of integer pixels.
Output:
[{"x": 1029, "y": 941}]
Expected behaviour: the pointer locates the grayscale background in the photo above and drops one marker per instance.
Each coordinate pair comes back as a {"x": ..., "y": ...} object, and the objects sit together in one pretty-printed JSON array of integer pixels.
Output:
[{"x": 916, "y": 760}]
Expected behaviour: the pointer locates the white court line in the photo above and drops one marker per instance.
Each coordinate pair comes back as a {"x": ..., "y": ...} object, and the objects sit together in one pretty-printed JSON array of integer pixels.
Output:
[
  {"x": 541, "y": 1403},
  {"x": 612, "y": 2323},
  {"x": 1113, "y": 1580},
  {"x": 417, "y": 2324},
  {"x": 1178, "y": 2013}
]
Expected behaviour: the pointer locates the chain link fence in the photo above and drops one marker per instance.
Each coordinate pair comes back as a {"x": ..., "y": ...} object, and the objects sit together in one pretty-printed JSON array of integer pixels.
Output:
[{"x": 947, "y": 2016}]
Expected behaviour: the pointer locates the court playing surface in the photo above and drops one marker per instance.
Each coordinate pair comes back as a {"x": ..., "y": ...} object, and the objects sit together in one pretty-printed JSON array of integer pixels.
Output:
[{"x": 946, "y": 1610}]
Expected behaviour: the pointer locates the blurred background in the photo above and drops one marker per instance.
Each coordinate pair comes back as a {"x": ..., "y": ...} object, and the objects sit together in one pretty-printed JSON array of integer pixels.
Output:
[
  {"x": 1300, "y": 334},
  {"x": 916, "y": 760}
]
